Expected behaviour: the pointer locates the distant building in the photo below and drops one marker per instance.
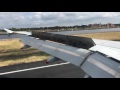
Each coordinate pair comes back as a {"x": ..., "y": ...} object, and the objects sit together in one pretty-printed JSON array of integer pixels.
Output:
[
  {"x": 94, "y": 25},
  {"x": 110, "y": 25}
]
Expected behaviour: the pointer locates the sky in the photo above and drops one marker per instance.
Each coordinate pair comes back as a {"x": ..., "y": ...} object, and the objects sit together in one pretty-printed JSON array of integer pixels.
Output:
[{"x": 48, "y": 19}]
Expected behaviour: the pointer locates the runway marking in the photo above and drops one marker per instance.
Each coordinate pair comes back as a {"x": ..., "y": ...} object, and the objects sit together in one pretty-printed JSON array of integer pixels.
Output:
[{"x": 34, "y": 68}]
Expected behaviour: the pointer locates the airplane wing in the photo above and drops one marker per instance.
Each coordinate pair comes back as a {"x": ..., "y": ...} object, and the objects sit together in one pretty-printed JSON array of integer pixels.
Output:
[
  {"x": 97, "y": 58},
  {"x": 95, "y": 62},
  {"x": 17, "y": 32},
  {"x": 8, "y": 31},
  {"x": 109, "y": 48},
  {"x": 23, "y": 32}
]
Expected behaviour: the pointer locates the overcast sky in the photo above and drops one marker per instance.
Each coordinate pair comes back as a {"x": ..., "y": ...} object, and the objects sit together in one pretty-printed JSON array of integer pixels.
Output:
[{"x": 41, "y": 19}]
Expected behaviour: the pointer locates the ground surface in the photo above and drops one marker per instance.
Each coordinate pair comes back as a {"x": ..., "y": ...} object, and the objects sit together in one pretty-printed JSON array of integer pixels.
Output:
[
  {"x": 59, "y": 69},
  {"x": 10, "y": 53}
]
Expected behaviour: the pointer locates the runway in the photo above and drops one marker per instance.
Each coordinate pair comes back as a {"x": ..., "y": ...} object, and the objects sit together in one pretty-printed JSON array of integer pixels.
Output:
[
  {"x": 10, "y": 36},
  {"x": 87, "y": 31},
  {"x": 59, "y": 69}
]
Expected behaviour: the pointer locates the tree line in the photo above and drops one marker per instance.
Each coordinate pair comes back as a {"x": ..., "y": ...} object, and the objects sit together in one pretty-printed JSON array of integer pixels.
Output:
[{"x": 57, "y": 28}]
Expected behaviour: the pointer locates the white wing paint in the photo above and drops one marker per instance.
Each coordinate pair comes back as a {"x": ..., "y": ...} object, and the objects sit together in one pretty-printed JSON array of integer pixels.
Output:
[
  {"x": 109, "y": 48},
  {"x": 17, "y": 32}
]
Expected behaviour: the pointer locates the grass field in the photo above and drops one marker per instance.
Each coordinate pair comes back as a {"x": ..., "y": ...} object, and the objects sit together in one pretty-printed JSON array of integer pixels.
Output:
[
  {"x": 10, "y": 53},
  {"x": 3, "y": 32},
  {"x": 106, "y": 36}
]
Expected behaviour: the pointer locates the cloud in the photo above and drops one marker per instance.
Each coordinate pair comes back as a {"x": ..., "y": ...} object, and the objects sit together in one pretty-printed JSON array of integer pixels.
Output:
[{"x": 41, "y": 19}]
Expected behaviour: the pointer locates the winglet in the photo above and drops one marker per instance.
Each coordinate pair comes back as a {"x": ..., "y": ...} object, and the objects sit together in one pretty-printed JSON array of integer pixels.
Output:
[{"x": 8, "y": 31}]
